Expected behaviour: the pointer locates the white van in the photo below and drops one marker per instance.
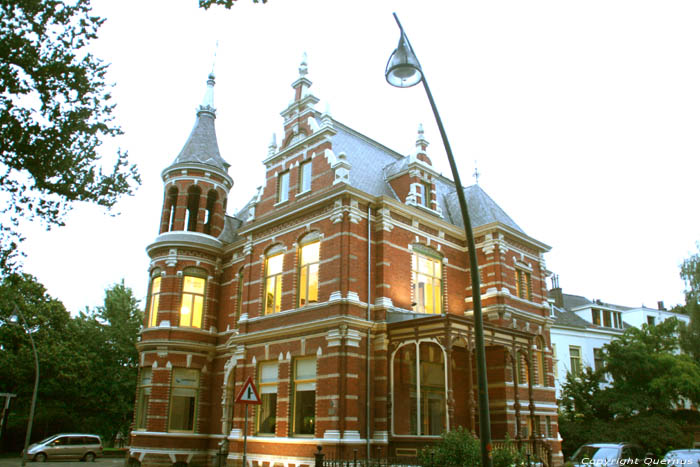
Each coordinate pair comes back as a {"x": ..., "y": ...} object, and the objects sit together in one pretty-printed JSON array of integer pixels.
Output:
[{"x": 66, "y": 446}]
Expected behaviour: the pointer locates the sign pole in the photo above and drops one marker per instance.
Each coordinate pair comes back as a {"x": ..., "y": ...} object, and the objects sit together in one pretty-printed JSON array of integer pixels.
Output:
[
  {"x": 248, "y": 395},
  {"x": 245, "y": 434}
]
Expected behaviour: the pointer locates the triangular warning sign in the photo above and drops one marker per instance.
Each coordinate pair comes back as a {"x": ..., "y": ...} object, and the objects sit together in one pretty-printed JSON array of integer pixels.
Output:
[{"x": 248, "y": 395}]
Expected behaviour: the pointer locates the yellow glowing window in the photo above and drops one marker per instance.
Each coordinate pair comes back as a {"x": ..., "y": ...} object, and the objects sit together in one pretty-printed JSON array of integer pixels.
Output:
[
  {"x": 192, "y": 302},
  {"x": 155, "y": 299},
  {"x": 273, "y": 283},
  {"x": 308, "y": 273},
  {"x": 427, "y": 284}
]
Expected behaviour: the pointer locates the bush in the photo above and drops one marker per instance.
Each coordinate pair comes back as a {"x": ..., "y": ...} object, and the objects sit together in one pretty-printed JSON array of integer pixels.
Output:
[
  {"x": 455, "y": 448},
  {"x": 508, "y": 456}
]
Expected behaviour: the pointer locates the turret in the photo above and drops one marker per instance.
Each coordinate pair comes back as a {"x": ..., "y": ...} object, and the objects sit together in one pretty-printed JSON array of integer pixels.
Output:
[{"x": 197, "y": 182}]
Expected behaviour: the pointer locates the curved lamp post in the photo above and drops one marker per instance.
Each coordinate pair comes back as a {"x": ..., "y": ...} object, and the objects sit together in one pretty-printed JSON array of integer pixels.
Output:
[
  {"x": 403, "y": 70},
  {"x": 36, "y": 387}
]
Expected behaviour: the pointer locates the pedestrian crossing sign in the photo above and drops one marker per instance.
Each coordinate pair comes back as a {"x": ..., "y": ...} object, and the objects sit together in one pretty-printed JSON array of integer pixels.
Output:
[{"x": 248, "y": 395}]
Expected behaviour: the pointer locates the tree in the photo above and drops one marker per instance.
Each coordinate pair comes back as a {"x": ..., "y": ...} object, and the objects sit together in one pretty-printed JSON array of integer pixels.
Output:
[
  {"x": 55, "y": 109},
  {"x": 225, "y": 3},
  {"x": 88, "y": 362},
  {"x": 650, "y": 381},
  {"x": 690, "y": 334}
]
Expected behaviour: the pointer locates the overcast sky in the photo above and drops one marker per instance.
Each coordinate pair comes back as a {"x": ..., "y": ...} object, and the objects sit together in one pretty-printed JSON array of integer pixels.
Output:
[{"x": 582, "y": 118}]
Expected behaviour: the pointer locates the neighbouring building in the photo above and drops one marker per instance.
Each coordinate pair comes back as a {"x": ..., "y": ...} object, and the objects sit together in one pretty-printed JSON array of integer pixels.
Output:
[
  {"x": 582, "y": 327},
  {"x": 342, "y": 288}
]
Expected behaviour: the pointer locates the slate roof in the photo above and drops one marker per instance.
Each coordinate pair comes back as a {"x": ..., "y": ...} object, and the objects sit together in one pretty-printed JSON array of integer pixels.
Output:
[
  {"x": 371, "y": 164},
  {"x": 202, "y": 146},
  {"x": 570, "y": 319}
]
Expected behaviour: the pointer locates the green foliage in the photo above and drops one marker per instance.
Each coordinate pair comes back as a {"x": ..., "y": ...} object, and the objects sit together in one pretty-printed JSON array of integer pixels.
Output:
[
  {"x": 55, "y": 109},
  {"x": 455, "y": 448},
  {"x": 649, "y": 380},
  {"x": 690, "y": 334},
  {"x": 458, "y": 448},
  {"x": 225, "y": 3},
  {"x": 88, "y": 364},
  {"x": 508, "y": 456}
]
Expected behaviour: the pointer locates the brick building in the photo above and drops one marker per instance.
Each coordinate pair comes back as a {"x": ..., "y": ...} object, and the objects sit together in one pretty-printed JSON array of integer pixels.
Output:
[{"x": 343, "y": 289}]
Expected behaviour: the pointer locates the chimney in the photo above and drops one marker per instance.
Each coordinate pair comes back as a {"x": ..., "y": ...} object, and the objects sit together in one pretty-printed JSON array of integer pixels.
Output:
[
  {"x": 556, "y": 292},
  {"x": 660, "y": 305}
]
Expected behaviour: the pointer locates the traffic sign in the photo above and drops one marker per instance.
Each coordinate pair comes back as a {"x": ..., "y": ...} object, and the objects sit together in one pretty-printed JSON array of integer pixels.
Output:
[{"x": 248, "y": 395}]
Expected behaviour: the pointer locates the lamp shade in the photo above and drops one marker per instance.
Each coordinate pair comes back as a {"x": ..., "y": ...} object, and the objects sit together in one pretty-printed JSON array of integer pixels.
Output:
[{"x": 403, "y": 69}]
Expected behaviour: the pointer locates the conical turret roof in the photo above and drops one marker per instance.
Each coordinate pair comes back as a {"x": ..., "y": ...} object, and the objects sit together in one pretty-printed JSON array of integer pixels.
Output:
[{"x": 202, "y": 146}]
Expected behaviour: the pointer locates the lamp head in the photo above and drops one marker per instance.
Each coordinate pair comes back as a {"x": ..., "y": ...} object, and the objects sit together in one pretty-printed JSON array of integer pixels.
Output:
[{"x": 403, "y": 69}]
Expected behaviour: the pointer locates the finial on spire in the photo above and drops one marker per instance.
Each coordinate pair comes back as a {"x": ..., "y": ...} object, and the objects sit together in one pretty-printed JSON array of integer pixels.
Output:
[
  {"x": 421, "y": 142},
  {"x": 272, "y": 148},
  {"x": 476, "y": 173},
  {"x": 213, "y": 62},
  {"x": 208, "y": 101},
  {"x": 303, "y": 67}
]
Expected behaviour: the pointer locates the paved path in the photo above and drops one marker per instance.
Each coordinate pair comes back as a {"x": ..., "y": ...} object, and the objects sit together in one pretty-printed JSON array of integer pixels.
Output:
[{"x": 101, "y": 462}]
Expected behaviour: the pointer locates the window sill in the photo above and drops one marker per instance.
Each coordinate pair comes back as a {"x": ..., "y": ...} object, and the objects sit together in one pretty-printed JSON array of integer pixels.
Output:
[
  {"x": 303, "y": 193},
  {"x": 280, "y": 203}
]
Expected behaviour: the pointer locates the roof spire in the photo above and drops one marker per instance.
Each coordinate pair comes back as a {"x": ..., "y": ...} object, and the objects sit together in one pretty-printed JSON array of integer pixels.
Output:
[
  {"x": 208, "y": 101},
  {"x": 272, "y": 147},
  {"x": 476, "y": 173},
  {"x": 303, "y": 67},
  {"x": 422, "y": 146}
]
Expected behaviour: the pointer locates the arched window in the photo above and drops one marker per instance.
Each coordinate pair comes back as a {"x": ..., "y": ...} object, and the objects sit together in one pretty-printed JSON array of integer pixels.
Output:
[
  {"x": 154, "y": 299},
  {"x": 171, "y": 204},
  {"x": 192, "y": 306},
  {"x": 420, "y": 403},
  {"x": 426, "y": 280},
  {"x": 309, "y": 255},
  {"x": 209, "y": 215},
  {"x": 193, "y": 194},
  {"x": 541, "y": 376},
  {"x": 273, "y": 280}
]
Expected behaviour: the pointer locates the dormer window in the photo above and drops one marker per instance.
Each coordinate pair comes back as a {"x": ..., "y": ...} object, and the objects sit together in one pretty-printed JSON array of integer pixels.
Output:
[
  {"x": 425, "y": 201},
  {"x": 305, "y": 177},
  {"x": 596, "y": 316},
  {"x": 283, "y": 187}
]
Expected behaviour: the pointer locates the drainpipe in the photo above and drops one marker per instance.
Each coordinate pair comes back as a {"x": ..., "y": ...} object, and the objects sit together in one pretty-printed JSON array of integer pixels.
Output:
[{"x": 369, "y": 318}]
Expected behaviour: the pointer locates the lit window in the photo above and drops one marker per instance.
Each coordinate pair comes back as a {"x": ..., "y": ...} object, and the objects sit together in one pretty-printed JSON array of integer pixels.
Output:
[
  {"x": 304, "y": 409},
  {"x": 426, "y": 279},
  {"x": 541, "y": 377},
  {"x": 305, "y": 176},
  {"x": 523, "y": 284},
  {"x": 192, "y": 301},
  {"x": 144, "y": 396},
  {"x": 283, "y": 187},
  {"x": 273, "y": 283},
  {"x": 267, "y": 411},
  {"x": 575, "y": 360},
  {"x": 596, "y": 316},
  {"x": 183, "y": 399},
  {"x": 308, "y": 273},
  {"x": 154, "y": 300}
]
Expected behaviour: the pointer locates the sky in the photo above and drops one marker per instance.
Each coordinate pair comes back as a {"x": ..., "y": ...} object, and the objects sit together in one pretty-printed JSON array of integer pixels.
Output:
[{"x": 581, "y": 117}]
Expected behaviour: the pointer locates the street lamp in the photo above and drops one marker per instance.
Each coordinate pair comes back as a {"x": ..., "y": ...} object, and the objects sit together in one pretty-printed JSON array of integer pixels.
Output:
[
  {"x": 403, "y": 70},
  {"x": 36, "y": 387}
]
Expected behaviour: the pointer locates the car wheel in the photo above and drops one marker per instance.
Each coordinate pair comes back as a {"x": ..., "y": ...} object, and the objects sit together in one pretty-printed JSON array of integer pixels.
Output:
[
  {"x": 89, "y": 457},
  {"x": 41, "y": 457}
]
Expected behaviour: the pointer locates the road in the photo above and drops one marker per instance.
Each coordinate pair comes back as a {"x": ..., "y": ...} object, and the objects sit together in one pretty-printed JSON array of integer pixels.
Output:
[{"x": 102, "y": 462}]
